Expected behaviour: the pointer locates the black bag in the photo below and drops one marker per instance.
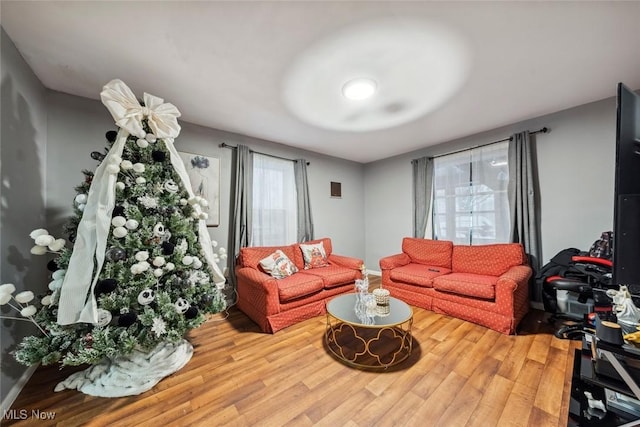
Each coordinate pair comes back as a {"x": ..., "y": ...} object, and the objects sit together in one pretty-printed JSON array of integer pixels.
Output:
[{"x": 557, "y": 266}]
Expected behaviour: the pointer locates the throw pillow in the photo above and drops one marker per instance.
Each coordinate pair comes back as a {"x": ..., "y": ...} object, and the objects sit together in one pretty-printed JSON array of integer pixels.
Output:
[
  {"x": 314, "y": 255},
  {"x": 278, "y": 265}
]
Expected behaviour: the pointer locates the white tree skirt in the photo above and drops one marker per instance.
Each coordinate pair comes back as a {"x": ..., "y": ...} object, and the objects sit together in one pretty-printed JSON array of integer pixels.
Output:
[{"x": 131, "y": 374}]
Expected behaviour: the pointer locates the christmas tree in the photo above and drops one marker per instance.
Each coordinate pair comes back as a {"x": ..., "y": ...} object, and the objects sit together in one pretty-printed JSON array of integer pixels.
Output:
[{"x": 141, "y": 272}]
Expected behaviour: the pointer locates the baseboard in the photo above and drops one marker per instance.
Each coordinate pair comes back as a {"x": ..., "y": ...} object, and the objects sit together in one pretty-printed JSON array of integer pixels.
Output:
[
  {"x": 537, "y": 305},
  {"x": 374, "y": 272},
  {"x": 17, "y": 388}
]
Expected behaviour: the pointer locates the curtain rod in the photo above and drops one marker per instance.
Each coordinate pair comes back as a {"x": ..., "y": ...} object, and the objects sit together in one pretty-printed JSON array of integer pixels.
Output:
[
  {"x": 225, "y": 145},
  {"x": 543, "y": 130}
]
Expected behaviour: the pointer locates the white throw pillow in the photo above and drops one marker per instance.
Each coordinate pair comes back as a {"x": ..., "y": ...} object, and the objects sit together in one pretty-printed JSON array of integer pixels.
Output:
[
  {"x": 278, "y": 265},
  {"x": 314, "y": 255}
]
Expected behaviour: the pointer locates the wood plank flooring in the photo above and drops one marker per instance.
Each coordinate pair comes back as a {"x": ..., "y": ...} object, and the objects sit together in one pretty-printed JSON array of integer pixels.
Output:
[{"x": 459, "y": 374}]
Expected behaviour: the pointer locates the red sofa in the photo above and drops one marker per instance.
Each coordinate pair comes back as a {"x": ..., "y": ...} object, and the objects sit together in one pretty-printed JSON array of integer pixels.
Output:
[
  {"x": 274, "y": 303},
  {"x": 486, "y": 284}
]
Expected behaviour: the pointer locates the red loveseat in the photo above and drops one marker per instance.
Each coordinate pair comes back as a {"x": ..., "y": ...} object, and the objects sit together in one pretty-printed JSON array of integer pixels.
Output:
[
  {"x": 274, "y": 303},
  {"x": 485, "y": 284}
]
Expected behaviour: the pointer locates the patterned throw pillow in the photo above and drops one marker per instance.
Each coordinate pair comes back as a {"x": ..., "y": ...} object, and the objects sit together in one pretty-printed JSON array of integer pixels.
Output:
[
  {"x": 314, "y": 255},
  {"x": 278, "y": 265}
]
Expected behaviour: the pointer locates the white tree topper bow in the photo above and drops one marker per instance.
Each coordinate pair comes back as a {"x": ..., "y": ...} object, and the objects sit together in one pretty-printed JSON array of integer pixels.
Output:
[{"x": 128, "y": 113}]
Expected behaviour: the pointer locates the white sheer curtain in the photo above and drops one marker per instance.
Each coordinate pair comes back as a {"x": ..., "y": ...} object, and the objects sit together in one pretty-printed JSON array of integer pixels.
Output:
[
  {"x": 470, "y": 202},
  {"x": 274, "y": 202}
]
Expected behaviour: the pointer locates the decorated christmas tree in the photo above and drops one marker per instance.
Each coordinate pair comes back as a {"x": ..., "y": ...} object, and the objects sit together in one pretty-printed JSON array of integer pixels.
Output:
[{"x": 139, "y": 271}]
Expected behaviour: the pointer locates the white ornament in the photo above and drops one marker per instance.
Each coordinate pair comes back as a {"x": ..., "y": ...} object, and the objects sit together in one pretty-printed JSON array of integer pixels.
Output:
[
  {"x": 4, "y": 298},
  {"x": 148, "y": 202},
  {"x": 57, "y": 245},
  {"x": 171, "y": 186},
  {"x": 159, "y": 230},
  {"x": 203, "y": 215},
  {"x": 146, "y": 296},
  {"x": 204, "y": 203},
  {"x": 150, "y": 137},
  {"x": 59, "y": 274},
  {"x": 113, "y": 169},
  {"x": 140, "y": 180},
  {"x": 131, "y": 224},
  {"x": 120, "y": 185},
  {"x": 182, "y": 305},
  {"x": 104, "y": 317},
  {"x": 183, "y": 202},
  {"x": 158, "y": 272},
  {"x": 44, "y": 240},
  {"x": 24, "y": 297},
  {"x": 138, "y": 168},
  {"x": 158, "y": 261},
  {"x": 159, "y": 327},
  {"x": 214, "y": 243},
  {"x": 38, "y": 232},
  {"x": 119, "y": 232},
  {"x": 197, "y": 263},
  {"x": 126, "y": 165},
  {"x": 187, "y": 260},
  {"x": 28, "y": 311},
  {"x": 170, "y": 266},
  {"x": 81, "y": 198},
  {"x": 142, "y": 256},
  {"x": 118, "y": 221},
  {"x": 142, "y": 143},
  {"x": 46, "y": 300},
  {"x": 81, "y": 207},
  {"x": 115, "y": 159},
  {"x": 7, "y": 288},
  {"x": 39, "y": 250},
  {"x": 192, "y": 201}
]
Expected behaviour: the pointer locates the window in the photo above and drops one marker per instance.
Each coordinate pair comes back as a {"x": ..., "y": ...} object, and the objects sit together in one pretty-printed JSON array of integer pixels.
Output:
[
  {"x": 274, "y": 202},
  {"x": 470, "y": 202}
]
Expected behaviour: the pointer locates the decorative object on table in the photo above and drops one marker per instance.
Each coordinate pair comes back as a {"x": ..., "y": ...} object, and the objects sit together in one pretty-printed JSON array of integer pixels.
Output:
[
  {"x": 363, "y": 302},
  {"x": 627, "y": 314},
  {"x": 382, "y": 301},
  {"x": 204, "y": 174},
  {"x": 142, "y": 271}
]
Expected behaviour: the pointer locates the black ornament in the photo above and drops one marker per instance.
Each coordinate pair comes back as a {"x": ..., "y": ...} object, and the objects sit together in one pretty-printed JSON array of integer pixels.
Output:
[
  {"x": 158, "y": 156},
  {"x": 52, "y": 266},
  {"x": 115, "y": 254},
  {"x": 105, "y": 286},
  {"x": 191, "y": 313},
  {"x": 168, "y": 248},
  {"x": 72, "y": 237},
  {"x": 95, "y": 155},
  {"x": 111, "y": 135},
  {"x": 118, "y": 211},
  {"x": 127, "y": 319}
]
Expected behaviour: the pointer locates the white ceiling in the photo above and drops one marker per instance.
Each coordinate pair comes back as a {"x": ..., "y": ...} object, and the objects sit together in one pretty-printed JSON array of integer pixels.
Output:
[{"x": 229, "y": 65}]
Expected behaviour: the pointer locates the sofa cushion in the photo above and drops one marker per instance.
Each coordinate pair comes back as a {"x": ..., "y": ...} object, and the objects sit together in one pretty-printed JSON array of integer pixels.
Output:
[
  {"x": 436, "y": 253},
  {"x": 314, "y": 255},
  {"x": 297, "y": 286},
  {"x": 278, "y": 265},
  {"x": 251, "y": 256},
  {"x": 417, "y": 274},
  {"x": 492, "y": 260},
  {"x": 334, "y": 275},
  {"x": 471, "y": 285},
  {"x": 298, "y": 259}
]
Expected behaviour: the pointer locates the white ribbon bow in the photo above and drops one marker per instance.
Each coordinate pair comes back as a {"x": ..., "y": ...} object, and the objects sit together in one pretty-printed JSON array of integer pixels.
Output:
[
  {"x": 77, "y": 300},
  {"x": 128, "y": 113}
]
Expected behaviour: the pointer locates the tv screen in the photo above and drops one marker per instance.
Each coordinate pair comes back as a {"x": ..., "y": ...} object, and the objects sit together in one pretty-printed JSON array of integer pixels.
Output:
[{"x": 626, "y": 256}]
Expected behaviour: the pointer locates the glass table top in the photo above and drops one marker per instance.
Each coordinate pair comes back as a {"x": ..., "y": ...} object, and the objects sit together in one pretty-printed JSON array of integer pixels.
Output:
[{"x": 342, "y": 308}]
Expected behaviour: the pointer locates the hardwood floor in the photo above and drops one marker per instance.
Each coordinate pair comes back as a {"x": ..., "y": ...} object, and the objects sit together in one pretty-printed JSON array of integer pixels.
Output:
[{"x": 459, "y": 374}]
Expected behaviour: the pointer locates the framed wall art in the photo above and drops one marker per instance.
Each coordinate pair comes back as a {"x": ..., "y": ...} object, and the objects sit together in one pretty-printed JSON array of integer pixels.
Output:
[{"x": 204, "y": 174}]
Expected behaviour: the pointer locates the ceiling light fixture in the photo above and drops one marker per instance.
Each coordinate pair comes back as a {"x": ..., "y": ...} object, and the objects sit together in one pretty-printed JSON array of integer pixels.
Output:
[{"x": 359, "y": 89}]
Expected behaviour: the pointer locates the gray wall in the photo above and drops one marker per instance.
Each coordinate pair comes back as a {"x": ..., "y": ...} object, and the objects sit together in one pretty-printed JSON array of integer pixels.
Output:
[
  {"x": 23, "y": 142},
  {"x": 576, "y": 175}
]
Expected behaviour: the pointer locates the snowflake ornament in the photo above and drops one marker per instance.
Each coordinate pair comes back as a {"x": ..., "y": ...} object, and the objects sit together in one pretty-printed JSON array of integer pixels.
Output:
[{"x": 159, "y": 327}]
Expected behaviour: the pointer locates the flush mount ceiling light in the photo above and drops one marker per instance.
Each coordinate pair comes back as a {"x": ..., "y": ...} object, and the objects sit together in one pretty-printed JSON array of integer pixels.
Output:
[
  {"x": 359, "y": 89},
  {"x": 422, "y": 64}
]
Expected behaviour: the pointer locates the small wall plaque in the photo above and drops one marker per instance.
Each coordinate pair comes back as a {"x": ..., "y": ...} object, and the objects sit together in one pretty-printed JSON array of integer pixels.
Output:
[{"x": 336, "y": 189}]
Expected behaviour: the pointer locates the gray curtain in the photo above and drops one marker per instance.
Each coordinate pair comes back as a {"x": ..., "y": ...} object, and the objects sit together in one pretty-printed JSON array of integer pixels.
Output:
[
  {"x": 422, "y": 187},
  {"x": 305, "y": 221},
  {"x": 522, "y": 193},
  {"x": 240, "y": 221}
]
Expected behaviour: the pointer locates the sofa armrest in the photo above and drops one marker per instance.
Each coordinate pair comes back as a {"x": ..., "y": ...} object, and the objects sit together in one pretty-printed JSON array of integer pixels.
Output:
[
  {"x": 393, "y": 261},
  {"x": 512, "y": 289},
  {"x": 346, "y": 261},
  {"x": 260, "y": 289}
]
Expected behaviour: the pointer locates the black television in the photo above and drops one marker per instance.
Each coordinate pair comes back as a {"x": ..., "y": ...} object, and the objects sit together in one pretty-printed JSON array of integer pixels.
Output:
[{"x": 626, "y": 215}]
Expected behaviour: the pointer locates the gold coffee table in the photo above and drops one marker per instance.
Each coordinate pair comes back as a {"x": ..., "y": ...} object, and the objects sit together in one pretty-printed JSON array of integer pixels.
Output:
[{"x": 384, "y": 343}]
